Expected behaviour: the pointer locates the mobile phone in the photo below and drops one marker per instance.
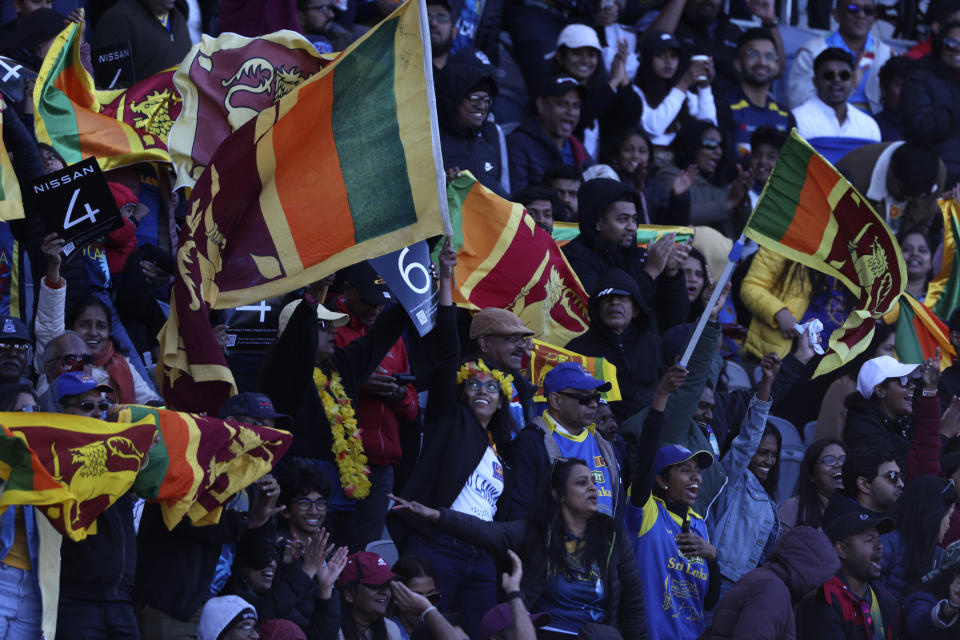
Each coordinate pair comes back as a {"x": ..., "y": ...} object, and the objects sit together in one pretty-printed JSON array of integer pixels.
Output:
[{"x": 404, "y": 378}]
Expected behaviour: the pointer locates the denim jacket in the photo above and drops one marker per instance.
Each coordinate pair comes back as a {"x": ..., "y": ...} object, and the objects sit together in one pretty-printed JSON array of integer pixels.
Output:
[
  {"x": 745, "y": 514},
  {"x": 7, "y": 529}
]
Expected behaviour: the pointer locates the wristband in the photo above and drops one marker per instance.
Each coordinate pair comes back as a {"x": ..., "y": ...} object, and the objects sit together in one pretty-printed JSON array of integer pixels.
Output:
[
  {"x": 930, "y": 393},
  {"x": 423, "y": 616},
  {"x": 515, "y": 594}
]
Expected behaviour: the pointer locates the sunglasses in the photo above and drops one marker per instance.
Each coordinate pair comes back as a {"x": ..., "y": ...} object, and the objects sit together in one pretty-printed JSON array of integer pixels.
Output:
[
  {"x": 433, "y": 597},
  {"x": 515, "y": 340},
  {"x": 490, "y": 386},
  {"x": 73, "y": 359},
  {"x": 325, "y": 325},
  {"x": 893, "y": 476},
  {"x": 951, "y": 45},
  {"x": 830, "y": 76},
  {"x": 854, "y": 9},
  {"x": 19, "y": 347},
  {"x": 833, "y": 461},
  {"x": 479, "y": 101},
  {"x": 88, "y": 405},
  {"x": 708, "y": 143},
  {"x": 584, "y": 399}
]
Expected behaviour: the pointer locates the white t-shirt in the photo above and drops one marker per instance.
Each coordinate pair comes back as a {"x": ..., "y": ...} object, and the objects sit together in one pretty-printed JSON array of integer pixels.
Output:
[
  {"x": 816, "y": 119},
  {"x": 483, "y": 488}
]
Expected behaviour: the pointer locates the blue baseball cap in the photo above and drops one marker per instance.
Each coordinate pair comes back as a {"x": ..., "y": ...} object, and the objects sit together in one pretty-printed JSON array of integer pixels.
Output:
[
  {"x": 253, "y": 405},
  {"x": 676, "y": 453},
  {"x": 73, "y": 383},
  {"x": 571, "y": 375}
]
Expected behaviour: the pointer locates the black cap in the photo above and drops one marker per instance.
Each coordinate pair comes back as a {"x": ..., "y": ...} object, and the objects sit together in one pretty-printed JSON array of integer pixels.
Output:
[
  {"x": 844, "y": 517},
  {"x": 368, "y": 282},
  {"x": 12, "y": 328},
  {"x": 38, "y": 27},
  {"x": 558, "y": 86},
  {"x": 254, "y": 405},
  {"x": 655, "y": 41}
]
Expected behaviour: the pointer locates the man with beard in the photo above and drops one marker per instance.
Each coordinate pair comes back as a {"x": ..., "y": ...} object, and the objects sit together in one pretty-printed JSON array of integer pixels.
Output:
[
  {"x": 701, "y": 28},
  {"x": 546, "y": 138},
  {"x": 440, "y": 19},
  {"x": 853, "y": 603},
  {"x": 855, "y": 19},
  {"x": 750, "y": 105},
  {"x": 828, "y": 114},
  {"x": 14, "y": 349},
  {"x": 872, "y": 478}
]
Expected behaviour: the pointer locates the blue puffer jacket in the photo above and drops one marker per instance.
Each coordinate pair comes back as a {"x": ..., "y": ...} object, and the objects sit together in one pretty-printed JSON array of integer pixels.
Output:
[
  {"x": 918, "y": 623},
  {"x": 744, "y": 514},
  {"x": 893, "y": 573}
]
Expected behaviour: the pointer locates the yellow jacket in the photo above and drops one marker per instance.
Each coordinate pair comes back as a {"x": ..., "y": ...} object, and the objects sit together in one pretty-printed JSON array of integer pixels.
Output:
[{"x": 765, "y": 292}]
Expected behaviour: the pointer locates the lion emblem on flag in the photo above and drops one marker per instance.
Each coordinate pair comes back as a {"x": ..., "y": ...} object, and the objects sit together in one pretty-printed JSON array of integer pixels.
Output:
[{"x": 153, "y": 112}]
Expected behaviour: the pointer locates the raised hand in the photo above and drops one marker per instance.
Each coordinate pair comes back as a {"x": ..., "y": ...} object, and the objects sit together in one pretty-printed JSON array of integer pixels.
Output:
[
  {"x": 658, "y": 254},
  {"x": 414, "y": 508},
  {"x": 264, "y": 505},
  {"x": 407, "y": 599},
  {"x": 315, "y": 553},
  {"x": 51, "y": 247},
  {"x": 685, "y": 179},
  {"x": 511, "y": 581},
  {"x": 930, "y": 372},
  {"x": 329, "y": 572}
]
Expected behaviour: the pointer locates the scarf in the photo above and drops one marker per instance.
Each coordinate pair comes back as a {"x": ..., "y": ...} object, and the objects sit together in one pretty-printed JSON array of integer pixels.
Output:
[{"x": 119, "y": 372}]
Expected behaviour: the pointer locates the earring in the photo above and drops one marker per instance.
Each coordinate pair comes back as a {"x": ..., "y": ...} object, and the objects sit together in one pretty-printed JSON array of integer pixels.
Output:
[{"x": 665, "y": 487}]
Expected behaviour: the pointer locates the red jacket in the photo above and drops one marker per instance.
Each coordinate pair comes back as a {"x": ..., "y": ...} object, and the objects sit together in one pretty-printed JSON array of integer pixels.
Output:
[{"x": 378, "y": 420}]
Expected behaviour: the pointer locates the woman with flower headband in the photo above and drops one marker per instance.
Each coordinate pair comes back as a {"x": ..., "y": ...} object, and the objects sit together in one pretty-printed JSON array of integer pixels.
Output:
[
  {"x": 316, "y": 383},
  {"x": 466, "y": 425}
]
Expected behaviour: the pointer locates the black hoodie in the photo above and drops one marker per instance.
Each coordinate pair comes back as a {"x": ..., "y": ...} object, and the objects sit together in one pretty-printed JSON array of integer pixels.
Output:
[
  {"x": 591, "y": 259},
  {"x": 635, "y": 352},
  {"x": 473, "y": 150}
]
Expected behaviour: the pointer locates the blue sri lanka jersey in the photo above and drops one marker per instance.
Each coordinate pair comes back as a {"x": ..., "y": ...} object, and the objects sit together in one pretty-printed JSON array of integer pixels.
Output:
[
  {"x": 674, "y": 585},
  {"x": 747, "y": 117},
  {"x": 584, "y": 446}
]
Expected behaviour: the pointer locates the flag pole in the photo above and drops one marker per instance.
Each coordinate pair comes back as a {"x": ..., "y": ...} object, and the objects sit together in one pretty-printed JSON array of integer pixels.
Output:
[{"x": 732, "y": 258}]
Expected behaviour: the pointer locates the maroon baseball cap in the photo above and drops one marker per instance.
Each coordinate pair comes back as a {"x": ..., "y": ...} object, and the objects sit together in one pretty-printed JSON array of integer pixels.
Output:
[
  {"x": 366, "y": 568},
  {"x": 499, "y": 619}
]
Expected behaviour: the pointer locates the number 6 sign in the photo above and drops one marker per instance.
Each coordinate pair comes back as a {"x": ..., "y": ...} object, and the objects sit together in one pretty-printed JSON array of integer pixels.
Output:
[{"x": 407, "y": 273}]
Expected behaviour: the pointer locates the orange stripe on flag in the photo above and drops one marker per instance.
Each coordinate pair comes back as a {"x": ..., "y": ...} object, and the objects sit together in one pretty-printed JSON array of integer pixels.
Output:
[
  {"x": 100, "y": 135},
  {"x": 298, "y": 180},
  {"x": 70, "y": 84},
  {"x": 482, "y": 229},
  {"x": 813, "y": 211}
]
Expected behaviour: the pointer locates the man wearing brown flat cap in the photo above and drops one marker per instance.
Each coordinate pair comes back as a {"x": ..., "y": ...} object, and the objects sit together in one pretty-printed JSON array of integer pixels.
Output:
[{"x": 502, "y": 341}]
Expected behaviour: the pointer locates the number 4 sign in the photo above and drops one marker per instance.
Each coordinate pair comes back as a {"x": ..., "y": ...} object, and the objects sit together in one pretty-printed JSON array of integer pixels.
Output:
[
  {"x": 76, "y": 202},
  {"x": 407, "y": 273}
]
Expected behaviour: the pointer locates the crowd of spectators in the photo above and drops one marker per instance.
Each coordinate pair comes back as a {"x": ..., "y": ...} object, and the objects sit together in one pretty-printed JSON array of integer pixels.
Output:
[{"x": 736, "y": 496}]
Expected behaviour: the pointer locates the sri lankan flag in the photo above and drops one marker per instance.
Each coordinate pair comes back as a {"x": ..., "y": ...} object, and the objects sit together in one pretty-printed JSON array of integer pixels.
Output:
[
  {"x": 505, "y": 260},
  {"x": 343, "y": 168},
  {"x": 544, "y": 357},
  {"x": 72, "y": 468},
  {"x": 119, "y": 127},
  {"x": 225, "y": 82},
  {"x": 919, "y": 333},
  {"x": 943, "y": 291},
  {"x": 810, "y": 214},
  {"x": 11, "y": 203},
  {"x": 201, "y": 462},
  {"x": 564, "y": 232}
]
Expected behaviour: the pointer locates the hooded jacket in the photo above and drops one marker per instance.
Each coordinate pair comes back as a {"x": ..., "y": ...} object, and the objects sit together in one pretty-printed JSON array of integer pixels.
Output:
[
  {"x": 760, "y": 605},
  {"x": 868, "y": 426},
  {"x": 469, "y": 149},
  {"x": 591, "y": 258},
  {"x": 532, "y": 151},
  {"x": 931, "y": 112},
  {"x": 635, "y": 352}
]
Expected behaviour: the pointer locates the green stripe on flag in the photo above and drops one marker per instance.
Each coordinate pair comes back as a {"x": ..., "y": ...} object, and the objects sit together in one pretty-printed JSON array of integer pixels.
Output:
[
  {"x": 775, "y": 212},
  {"x": 949, "y": 298},
  {"x": 367, "y": 136},
  {"x": 907, "y": 341},
  {"x": 56, "y": 110}
]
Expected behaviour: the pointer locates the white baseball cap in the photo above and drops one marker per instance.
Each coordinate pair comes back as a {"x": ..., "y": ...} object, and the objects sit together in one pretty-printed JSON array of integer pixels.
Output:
[
  {"x": 876, "y": 370},
  {"x": 338, "y": 319},
  {"x": 575, "y": 36},
  {"x": 219, "y": 613}
]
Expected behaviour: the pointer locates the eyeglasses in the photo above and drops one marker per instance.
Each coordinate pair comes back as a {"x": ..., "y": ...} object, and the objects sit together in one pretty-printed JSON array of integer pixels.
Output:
[
  {"x": 441, "y": 18},
  {"x": 833, "y": 461},
  {"x": 321, "y": 7},
  {"x": 490, "y": 386},
  {"x": 434, "y": 597},
  {"x": 709, "y": 143},
  {"x": 854, "y": 9},
  {"x": 756, "y": 55},
  {"x": 893, "y": 476},
  {"x": 305, "y": 504},
  {"x": 29, "y": 408},
  {"x": 583, "y": 399},
  {"x": 73, "y": 359},
  {"x": 19, "y": 347},
  {"x": 325, "y": 325},
  {"x": 515, "y": 340},
  {"x": 88, "y": 406},
  {"x": 830, "y": 76},
  {"x": 951, "y": 45},
  {"x": 479, "y": 101}
]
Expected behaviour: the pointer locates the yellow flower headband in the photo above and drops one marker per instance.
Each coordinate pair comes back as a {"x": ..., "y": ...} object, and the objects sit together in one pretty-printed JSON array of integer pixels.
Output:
[{"x": 474, "y": 368}]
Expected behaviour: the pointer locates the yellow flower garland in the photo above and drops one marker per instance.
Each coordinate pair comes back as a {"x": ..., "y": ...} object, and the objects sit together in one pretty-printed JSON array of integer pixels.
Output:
[
  {"x": 475, "y": 367},
  {"x": 347, "y": 446}
]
